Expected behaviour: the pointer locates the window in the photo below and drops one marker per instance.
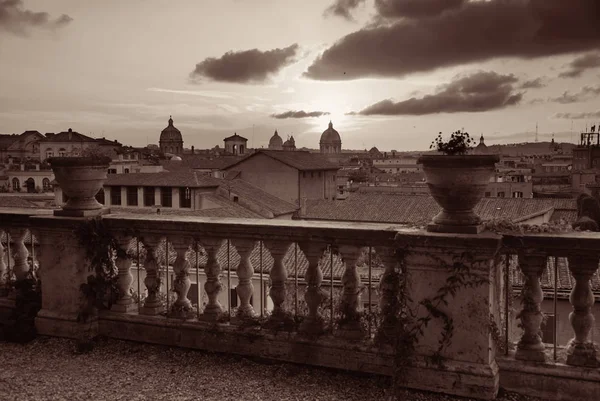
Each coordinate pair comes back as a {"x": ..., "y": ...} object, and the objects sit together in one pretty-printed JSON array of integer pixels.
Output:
[
  {"x": 16, "y": 185},
  {"x": 46, "y": 184},
  {"x": 49, "y": 153},
  {"x": 115, "y": 196},
  {"x": 126, "y": 171},
  {"x": 166, "y": 197},
  {"x": 100, "y": 196},
  {"x": 236, "y": 199},
  {"x": 319, "y": 174},
  {"x": 488, "y": 194},
  {"x": 132, "y": 196},
  {"x": 62, "y": 152},
  {"x": 112, "y": 171},
  {"x": 185, "y": 197},
  {"x": 149, "y": 196},
  {"x": 517, "y": 194},
  {"x": 500, "y": 194}
]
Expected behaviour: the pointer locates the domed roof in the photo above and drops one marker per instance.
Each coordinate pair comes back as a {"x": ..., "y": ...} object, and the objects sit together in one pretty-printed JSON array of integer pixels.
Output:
[
  {"x": 275, "y": 142},
  {"x": 330, "y": 136},
  {"x": 171, "y": 134},
  {"x": 290, "y": 143}
]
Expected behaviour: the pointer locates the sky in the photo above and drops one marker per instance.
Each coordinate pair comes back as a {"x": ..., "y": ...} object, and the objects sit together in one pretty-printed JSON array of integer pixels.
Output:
[{"x": 387, "y": 73}]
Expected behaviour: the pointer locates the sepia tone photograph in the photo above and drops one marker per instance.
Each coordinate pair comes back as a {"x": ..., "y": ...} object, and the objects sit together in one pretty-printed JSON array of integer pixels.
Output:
[{"x": 277, "y": 200}]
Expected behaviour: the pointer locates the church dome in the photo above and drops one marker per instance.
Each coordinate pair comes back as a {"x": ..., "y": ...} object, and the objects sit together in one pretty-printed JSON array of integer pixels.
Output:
[
  {"x": 290, "y": 144},
  {"x": 171, "y": 134},
  {"x": 275, "y": 142},
  {"x": 482, "y": 148},
  {"x": 330, "y": 136}
]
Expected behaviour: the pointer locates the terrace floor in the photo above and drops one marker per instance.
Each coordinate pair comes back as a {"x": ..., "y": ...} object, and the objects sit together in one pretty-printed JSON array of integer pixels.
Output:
[{"x": 51, "y": 369}]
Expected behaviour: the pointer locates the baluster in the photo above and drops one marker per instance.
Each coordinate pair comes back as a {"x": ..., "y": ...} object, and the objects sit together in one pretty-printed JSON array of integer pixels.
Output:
[
  {"x": 212, "y": 270},
  {"x": 245, "y": 272},
  {"x": 3, "y": 268},
  {"x": 19, "y": 253},
  {"x": 182, "y": 307},
  {"x": 313, "y": 323},
  {"x": 580, "y": 350},
  {"x": 530, "y": 347},
  {"x": 124, "y": 280},
  {"x": 349, "y": 325},
  {"x": 278, "y": 277},
  {"x": 389, "y": 285},
  {"x": 152, "y": 305}
]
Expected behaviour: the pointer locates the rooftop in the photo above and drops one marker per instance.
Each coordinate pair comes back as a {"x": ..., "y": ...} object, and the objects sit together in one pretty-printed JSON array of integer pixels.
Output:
[
  {"x": 300, "y": 160},
  {"x": 184, "y": 178},
  {"x": 420, "y": 209}
]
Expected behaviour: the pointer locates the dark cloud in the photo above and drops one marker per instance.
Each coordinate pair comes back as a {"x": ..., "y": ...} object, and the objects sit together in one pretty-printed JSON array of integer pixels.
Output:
[
  {"x": 580, "y": 64},
  {"x": 343, "y": 8},
  {"x": 249, "y": 66},
  {"x": 533, "y": 84},
  {"x": 586, "y": 93},
  {"x": 415, "y": 8},
  {"x": 579, "y": 116},
  {"x": 474, "y": 32},
  {"x": 17, "y": 20},
  {"x": 481, "y": 91},
  {"x": 299, "y": 114}
]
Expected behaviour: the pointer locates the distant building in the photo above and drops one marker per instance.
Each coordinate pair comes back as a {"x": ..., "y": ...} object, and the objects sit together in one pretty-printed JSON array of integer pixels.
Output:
[
  {"x": 171, "y": 140},
  {"x": 236, "y": 145},
  {"x": 330, "y": 142},
  {"x": 25, "y": 145},
  {"x": 276, "y": 143},
  {"x": 290, "y": 144},
  {"x": 290, "y": 176},
  {"x": 71, "y": 143},
  {"x": 481, "y": 148}
]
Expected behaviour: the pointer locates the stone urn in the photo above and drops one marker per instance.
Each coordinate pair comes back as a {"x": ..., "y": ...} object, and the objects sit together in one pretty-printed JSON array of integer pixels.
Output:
[
  {"x": 80, "y": 179},
  {"x": 457, "y": 183}
]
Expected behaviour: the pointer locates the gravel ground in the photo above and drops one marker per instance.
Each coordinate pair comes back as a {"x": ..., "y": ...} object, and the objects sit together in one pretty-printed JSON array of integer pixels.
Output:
[{"x": 50, "y": 369}]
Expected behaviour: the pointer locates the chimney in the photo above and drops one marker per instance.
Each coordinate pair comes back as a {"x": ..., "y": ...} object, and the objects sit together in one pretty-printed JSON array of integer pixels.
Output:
[
  {"x": 70, "y": 134},
  {"x": 303, "y": 206},
  {"x": 192, "y": 149}
]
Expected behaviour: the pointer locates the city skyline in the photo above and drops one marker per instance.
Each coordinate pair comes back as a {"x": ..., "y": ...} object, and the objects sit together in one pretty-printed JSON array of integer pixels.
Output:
[{"x": 97, "y": 69}]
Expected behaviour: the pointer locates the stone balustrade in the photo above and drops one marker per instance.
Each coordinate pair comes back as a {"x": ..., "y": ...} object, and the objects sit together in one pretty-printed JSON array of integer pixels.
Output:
[{"x": 421, "y": 264}]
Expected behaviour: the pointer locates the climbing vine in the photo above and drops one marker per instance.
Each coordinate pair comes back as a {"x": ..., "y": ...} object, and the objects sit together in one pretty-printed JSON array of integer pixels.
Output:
[
  {"x": 405, "y": 323},
  {"x": 100, "y": 290}
]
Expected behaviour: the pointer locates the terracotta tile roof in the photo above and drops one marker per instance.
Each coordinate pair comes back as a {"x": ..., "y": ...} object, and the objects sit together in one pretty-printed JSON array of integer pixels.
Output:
[
  {"x": 16, "y": 201},
  {"x": 235, "y": 136},
  {"x": 295, "y": 263},
  {"x": 163, "y": 179},
  {"x": 420, "y": 209},
  {"x": 300, "y": 160},
  {"x": 258, "y": 197},
  {"x": 226, "y": 209},
  {"x": 565, "y": 280},
  {"x": 191, "y": 162},
  {"x": 64, "y": 137}
]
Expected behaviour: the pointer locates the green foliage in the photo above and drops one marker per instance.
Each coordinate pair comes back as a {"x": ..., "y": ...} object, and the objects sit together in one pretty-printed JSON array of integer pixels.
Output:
[
  {"x": 458, "y": 144},
  {"x": 100, "y": 291}
]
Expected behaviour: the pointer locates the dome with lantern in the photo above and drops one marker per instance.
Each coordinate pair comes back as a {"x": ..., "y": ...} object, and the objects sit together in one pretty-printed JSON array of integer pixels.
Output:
[
  {"x": 330, "y": 142},
  {"x": 276, "y": 143},
  {"x": 171, "y": 140}
]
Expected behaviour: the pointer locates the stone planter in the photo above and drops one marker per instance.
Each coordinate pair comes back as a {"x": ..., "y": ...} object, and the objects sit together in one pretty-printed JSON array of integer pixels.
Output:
[
  {"x": 457, "y": 183},
  {"x": 80, "y": 178}
]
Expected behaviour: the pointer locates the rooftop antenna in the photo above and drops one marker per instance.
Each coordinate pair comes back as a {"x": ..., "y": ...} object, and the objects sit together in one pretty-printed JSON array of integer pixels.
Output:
[
  {"x": 571, "y": 131},
  {"x": 253, "y": 143},
  {"x": 536, "y": 131}
]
